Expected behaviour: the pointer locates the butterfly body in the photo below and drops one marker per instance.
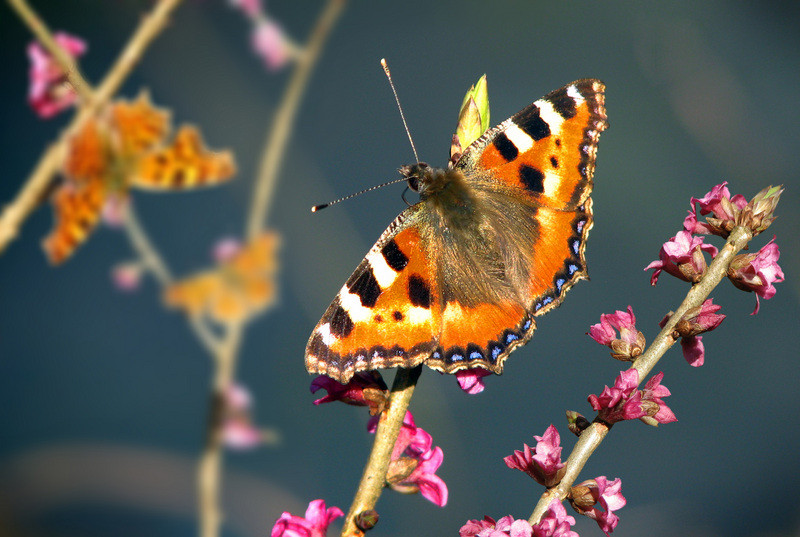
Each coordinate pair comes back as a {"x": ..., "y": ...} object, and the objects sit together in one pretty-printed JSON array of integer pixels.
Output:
[{"x": 497, "y": 238}]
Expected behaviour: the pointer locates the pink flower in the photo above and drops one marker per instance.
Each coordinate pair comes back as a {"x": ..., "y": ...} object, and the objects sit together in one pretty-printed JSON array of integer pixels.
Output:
[
  {"x": 251, "y": 8},
  {"x": 414, "y": 462},
  {"x": 505, "y": 527},
  {"x": 542, "y": 463},
  {"x": 555, "y": 523},
  {"x": 225, "y": 249},
  {"x": 364, "y": 389},
  {"x": 315, "y": 523},
  {"x": 599, "y": 491},
  {"x": 723, "y": 209},
  {"x": 653, "y": 393},
  {"x": 682, "y": 257},
  {"x": 696, "y": 321},
  {"x": 757, "y": 272},
  {"x": 625, "y": 402},
  {"x": 238, "y": 431},
  {"x": 271, "y": 44},
  {"x": 127, "y": 276},
  {"x": 719, "y": 203},
  {"x": 631, "y": 341},
  {"x": 49, "y": 91},
  {"x": 470, "y": 380},
  {"x": 115, "y": 210}
]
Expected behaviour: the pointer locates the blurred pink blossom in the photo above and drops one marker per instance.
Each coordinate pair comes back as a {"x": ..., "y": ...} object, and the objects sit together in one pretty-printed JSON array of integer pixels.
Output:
[
  {"x": 271, "y": 44},
  {"x": 50, "y": 92}
]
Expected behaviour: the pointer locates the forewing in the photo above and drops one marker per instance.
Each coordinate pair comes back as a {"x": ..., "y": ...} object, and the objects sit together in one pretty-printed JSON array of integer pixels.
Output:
[
  {"x": 548, "y": 149},
  {"x": 387, "y": 314}
]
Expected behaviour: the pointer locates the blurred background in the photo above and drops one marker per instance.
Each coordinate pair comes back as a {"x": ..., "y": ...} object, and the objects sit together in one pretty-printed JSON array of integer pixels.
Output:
[{"x": 103, "y": 394}]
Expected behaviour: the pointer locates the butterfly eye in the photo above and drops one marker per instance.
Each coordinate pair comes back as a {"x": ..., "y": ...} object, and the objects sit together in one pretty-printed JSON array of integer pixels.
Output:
[{"x": 414, "y": 174}]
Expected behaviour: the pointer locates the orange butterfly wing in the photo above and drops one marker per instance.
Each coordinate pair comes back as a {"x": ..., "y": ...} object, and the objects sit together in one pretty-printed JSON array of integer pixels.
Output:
[
  {"x": 137, "y": 126},
  {"x": 78, "y": 201},
  {"x": 185, "y": 164}
]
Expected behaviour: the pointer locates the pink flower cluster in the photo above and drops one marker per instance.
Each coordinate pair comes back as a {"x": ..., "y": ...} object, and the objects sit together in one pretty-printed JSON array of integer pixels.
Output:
[
  {"x": 696, "y": 321},
  {"x": 543, "y": 463},
  {"x": 50, "y": 92},
  {"x": 630, "y": 342},
  {"x": 414, "y": 462},
  {"x": 268, "y": 39},
  {"x": 314, "y": 524},
  {"x": 682, "y": 256},
  {"x": 555, "y": 523},
  {"x": 624, "y": 401},
  {"x": 608, "y": 494}
]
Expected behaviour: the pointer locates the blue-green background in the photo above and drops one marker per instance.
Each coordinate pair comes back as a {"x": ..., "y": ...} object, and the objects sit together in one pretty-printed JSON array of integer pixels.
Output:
[{"x": 103, "y": 396}]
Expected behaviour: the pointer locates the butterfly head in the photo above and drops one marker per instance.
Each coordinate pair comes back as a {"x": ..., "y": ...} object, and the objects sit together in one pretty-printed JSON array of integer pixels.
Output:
[{"x": 426, "y": 180}]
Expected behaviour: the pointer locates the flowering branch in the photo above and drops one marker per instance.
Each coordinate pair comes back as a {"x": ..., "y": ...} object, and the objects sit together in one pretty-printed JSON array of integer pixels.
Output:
[
  {"x": 45, "y": 37},
  {"x": 591, "y": 437},
  {"x": 374, "y": 477},
  {"x": 38, "y": 182},
  {"x": 281, "y": 129}
]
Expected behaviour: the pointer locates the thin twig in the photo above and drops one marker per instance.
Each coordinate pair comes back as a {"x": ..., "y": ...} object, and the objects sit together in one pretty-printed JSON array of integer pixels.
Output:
[
  {"x": 209, "y": 470},
  {"x": 38, "y": 182},
  {"x": 591, "y": 437},
  {"x": 141, "y": 245},
  {"x": 374, "y": 476},
  {"x": 281, "y": 129},
  {"x": 45, "y": 37}
]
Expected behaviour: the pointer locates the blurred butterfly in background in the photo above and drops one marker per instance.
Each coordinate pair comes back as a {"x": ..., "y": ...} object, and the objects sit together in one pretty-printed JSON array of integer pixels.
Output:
[{"x": 122, "y": 148}]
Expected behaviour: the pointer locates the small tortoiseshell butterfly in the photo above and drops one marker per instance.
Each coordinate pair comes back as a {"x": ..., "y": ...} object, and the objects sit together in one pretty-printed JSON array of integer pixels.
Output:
[
  {"x": 496, "y": 239},
  {"x": 126, "y": 147}
]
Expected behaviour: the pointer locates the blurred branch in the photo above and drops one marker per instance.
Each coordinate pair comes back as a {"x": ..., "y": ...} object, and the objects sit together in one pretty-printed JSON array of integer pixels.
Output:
[
  {"x": 35, "y": 188},
  {"x": 591, "y": 437},
  {"x": 281, "y": 129},
  {"x": 209, "y": 470}
]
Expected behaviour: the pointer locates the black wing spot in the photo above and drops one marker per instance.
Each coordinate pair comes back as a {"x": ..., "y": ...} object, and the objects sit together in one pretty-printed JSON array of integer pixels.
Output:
[
  {"x": 419, "y": 292},
  {"x": 366, "y": 287},
  {"x": 532, "y": 178},
  {"x": 562, "y": 103},
  {"x": 396, "y": 259},
  {"x": 554, "y": 162},
  {"x": 505, "y": 147},
  {"x": 530, "y": 122},
  {"x": 398, "y": 316},
  {"x": 341, "y": 323}
]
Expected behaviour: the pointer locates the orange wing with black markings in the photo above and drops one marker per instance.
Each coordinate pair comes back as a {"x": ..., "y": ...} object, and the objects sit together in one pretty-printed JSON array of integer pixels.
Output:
[
  {"x": 124, "y": 147},
  {"x": 456, "y": 280},
  {"x": 185, "y": 164}
]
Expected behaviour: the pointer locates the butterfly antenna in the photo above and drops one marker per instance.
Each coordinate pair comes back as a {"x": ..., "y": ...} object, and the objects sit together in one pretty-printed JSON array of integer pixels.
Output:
[
  {"x": 316, "y": 208},
  {"x": 397, "y": 100}
]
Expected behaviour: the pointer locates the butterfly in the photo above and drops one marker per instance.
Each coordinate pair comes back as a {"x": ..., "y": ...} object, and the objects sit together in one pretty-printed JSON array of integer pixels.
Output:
[
  {"x": 496, "y": 239},
  {"x": 125, "y": 147},
  {"x": 242, "y": 286}
]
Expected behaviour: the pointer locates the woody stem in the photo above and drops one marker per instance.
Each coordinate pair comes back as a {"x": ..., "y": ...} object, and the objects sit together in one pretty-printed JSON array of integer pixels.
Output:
[
  {"x": 591, "y": 437},
  {"x": 374, "y": 477}
]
